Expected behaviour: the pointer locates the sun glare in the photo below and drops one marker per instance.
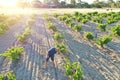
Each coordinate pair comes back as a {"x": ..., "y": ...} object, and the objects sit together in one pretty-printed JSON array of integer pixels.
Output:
[{"x": 8, "y": 3}]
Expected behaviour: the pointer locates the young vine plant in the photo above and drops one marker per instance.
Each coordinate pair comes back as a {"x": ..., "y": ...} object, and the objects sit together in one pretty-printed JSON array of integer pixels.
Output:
[{"x": 13, "y": 53}]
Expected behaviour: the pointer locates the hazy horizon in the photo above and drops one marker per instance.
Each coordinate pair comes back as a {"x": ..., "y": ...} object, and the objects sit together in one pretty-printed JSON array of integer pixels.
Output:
[{"x": 88, "y": 1}]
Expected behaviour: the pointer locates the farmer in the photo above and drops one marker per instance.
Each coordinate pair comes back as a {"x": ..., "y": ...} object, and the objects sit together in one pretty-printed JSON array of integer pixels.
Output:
[{"x": 51, "y": 52}]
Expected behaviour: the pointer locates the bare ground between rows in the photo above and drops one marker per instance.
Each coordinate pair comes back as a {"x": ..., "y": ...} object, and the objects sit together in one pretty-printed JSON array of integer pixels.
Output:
[
  {"x": 114, "y": 44},
  {"x": 7, "y": 40},
  {"x": 92, "y": 27},
  {"x": 97, "y": 64}
]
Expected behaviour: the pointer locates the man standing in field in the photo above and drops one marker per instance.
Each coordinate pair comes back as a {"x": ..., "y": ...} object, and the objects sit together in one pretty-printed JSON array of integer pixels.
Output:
[{"x": 51, "y": 53}]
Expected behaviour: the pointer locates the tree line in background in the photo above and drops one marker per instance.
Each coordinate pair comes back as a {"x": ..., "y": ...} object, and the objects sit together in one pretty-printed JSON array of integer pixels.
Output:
[
  {"x": 82, "y": 4},
  {"x": 72, "y": 4},
  {"x": 95, "y": 4}
]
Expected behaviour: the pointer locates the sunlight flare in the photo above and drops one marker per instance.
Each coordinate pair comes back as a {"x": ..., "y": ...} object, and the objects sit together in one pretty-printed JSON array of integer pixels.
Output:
[{"x": 7, "y": 3}]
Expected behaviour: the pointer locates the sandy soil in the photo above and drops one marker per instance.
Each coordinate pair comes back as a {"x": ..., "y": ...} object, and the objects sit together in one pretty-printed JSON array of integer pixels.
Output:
[
  {"x": 7, "y": 40},
  {"x": 30, "y": 66},
  {"x": 97, "y": 64}
]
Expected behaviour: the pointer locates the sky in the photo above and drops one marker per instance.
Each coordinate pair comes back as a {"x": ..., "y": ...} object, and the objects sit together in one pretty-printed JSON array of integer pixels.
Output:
[{"x": 89, "y": 1}]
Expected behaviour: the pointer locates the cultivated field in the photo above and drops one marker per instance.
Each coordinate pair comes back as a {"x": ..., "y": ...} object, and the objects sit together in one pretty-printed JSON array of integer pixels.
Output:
[
  {"x": 88, "y": 40},
  {"x": 51, "y": 10}
]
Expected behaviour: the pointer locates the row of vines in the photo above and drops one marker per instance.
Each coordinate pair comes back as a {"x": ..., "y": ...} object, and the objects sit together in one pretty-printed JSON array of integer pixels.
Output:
[
  {"x": 103, "y": 20},
  {"x": 72, "y": 69},
  {"x": 14, "y": 53}
]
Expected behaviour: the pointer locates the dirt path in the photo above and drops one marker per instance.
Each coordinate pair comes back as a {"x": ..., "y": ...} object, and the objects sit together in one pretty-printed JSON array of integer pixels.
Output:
[
  {"x": 7, "y": 40},
  {"x": 96, "y": 64},
  {"x": 30, "y": 66}
]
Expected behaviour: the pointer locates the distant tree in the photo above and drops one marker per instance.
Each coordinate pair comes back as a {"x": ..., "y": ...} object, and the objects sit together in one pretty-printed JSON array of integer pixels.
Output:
[
  {"x": 79, "y": 4},
  {"x": 96, "y": 1},
  {"x": 69, "y": 6},
  {"x": 111, "y": 3},
  {"x": 118, "y": 3},
  {"x": 85, "y": 5},
  {"x": 56, "y": 2},
  {"x": 73, "y": 3},
  {"x": 36, "y": 3},
  {"x": 96, "y": 4},
  {"x": 99, "y": 4},
  {"x": 63, "y": 4},
  {"x": 102, "y": 4}
]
